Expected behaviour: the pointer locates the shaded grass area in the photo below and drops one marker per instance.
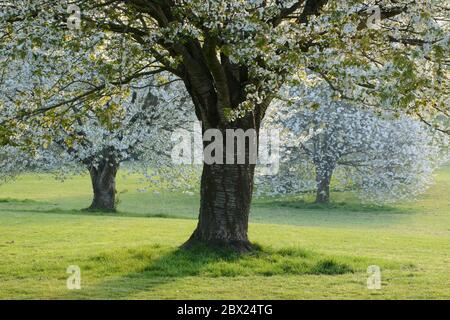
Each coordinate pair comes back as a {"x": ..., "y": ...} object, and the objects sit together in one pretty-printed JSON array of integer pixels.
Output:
[
  {"x": 21, "y": 201},
  {"x": 160, "y": 266},
  {"x": 90, "y": 212},
  {"x": 299, "y": 202},
  {"x": 161, "y": 261}
]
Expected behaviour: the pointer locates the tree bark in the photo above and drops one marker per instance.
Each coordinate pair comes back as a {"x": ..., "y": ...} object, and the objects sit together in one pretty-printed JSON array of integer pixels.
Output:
[
  {"x": 103, "y": 177},
  {"x": 226, "y": 194},
  {"x": 225, "y": 198},
  {"x": 217, "y": 85},
  {"x": 323, "y": 179}
]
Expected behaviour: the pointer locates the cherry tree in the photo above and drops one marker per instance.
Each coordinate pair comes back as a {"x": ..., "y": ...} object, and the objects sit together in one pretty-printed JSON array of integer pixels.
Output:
[
  {"x": 137, "y": 134},
  {"x": 101, "y": 141},
  {"x": 385, "y": 158},
  {"x": 232, "y": 56}
]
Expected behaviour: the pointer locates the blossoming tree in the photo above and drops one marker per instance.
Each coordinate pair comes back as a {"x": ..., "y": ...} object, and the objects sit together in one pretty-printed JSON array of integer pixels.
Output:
[
  {"x": 232, "y": 57},
  {"x": 137, "y": 131},
  {"x": 383, "y": 158}
]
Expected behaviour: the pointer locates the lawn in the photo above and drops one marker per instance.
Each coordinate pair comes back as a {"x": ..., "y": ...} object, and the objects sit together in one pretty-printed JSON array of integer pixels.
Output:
[{"x": 305, "y": 251}]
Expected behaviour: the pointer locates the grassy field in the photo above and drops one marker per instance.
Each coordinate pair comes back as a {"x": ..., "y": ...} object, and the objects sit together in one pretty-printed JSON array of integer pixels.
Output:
[{"x": 306, "y": 251}]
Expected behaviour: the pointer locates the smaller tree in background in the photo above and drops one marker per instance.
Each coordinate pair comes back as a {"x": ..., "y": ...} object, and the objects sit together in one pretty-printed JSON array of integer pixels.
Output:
[
  {"x": 133, "y": 129},
  {"x": 383, "y": 159}
]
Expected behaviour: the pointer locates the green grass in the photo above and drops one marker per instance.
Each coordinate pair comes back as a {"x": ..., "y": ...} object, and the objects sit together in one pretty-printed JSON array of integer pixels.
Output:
[{"x": 306, "y": 251}]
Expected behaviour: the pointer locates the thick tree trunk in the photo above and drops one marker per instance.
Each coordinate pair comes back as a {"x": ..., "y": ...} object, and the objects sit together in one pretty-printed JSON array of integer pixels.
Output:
[
  {"x": 226, "y": 193},
  {"x": 103, "y": 177},
  {"x": 216, "y": 85},
  {"x": 323, "y": 179}
]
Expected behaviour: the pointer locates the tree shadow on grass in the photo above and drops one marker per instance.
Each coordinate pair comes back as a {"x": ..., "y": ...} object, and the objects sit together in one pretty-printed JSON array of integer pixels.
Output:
[
  {"x": 155, "y": 266},
  {"x": 33, "y": 206},
  {"x": 332, "y": 206},
  {"x": 21, "y": 201}
]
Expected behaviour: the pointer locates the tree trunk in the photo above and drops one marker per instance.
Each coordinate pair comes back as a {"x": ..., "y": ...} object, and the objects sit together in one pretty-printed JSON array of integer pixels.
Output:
[
  {"x": 216, "y": 85},
  {"x": 103, "y": 177},
  {"x": 226, "y": 194},
  {"x": 323, "y": 179},
  {"x": 225, "y": 198}
]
